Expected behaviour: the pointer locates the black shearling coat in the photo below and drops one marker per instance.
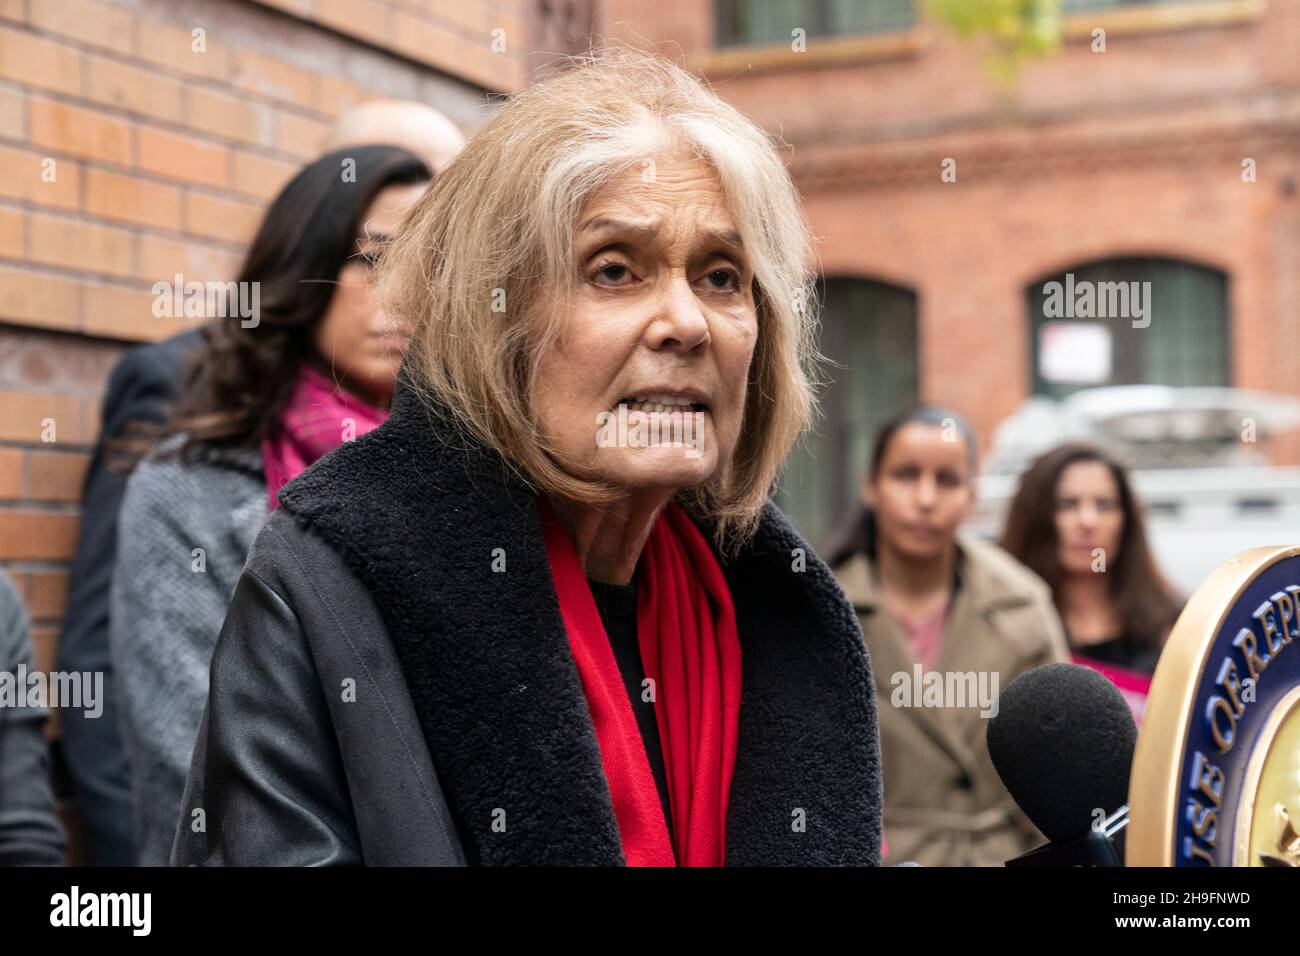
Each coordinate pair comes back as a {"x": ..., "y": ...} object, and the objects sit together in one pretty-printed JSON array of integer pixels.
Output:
[{"x": 381, "y": 695}]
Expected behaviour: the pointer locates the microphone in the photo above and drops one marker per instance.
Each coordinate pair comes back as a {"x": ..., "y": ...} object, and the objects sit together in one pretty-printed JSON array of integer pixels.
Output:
[{"x": 1062, "y": 742}]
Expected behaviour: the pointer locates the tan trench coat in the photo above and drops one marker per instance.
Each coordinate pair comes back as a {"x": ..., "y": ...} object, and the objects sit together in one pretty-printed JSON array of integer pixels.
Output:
[{"x": 944, "y": 803}]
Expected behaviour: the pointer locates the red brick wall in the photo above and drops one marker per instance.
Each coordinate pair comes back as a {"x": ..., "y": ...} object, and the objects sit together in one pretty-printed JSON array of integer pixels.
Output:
[
  {"x": 163, "y": 159},
  {"x": 1134, "y": 151}
]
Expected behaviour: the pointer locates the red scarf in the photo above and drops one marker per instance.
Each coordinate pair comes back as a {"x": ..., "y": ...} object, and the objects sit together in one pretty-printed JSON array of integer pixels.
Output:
[
  {"x": 686, "y": 626},
  {"x": 312, "y": 425}
]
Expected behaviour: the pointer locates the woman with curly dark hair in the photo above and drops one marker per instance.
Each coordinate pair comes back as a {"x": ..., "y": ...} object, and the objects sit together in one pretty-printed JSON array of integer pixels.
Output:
[
  {"x": 1076, "y": 522},
  {"x": 277, "y": 386}
]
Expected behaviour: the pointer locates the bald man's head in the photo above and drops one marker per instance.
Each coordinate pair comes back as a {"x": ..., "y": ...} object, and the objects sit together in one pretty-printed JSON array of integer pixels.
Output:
[{"x": 417, "y": 128}]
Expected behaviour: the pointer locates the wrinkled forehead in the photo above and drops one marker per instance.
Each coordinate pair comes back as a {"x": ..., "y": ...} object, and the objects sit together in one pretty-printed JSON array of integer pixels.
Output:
[{"x": 665, "y": 198}]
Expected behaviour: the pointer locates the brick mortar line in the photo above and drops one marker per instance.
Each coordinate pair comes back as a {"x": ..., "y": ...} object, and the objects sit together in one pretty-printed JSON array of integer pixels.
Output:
[
  {"x": 16, "y": 263},
  {"x": 36, "y": 565},
  {"x": 145, "y": 175},
  {"x": 36, "y": 442},
  {"x": 495, "y": 5},
  {"x": 6, "y": 261},
  {"x": 140, "y": 120},
  {"x": 42, "y": 447},
  {"x": 1003, "y": 162},
  {"x": 82, "y": 335},
  {"x": 517, "y": 52},
  {"x": 133, "y": 170},
  {"x": 445, "y": 70},
  {"x": 450, "y": 26},
  {"x": 42, "y": 270},
  {"x": 1064, "y": 118},
  {"x": 37, "y": 446},
  {"x": 224, "y": 85},
  {"x": 57, "y": 508},
  {"x": 141, "y": 229}
]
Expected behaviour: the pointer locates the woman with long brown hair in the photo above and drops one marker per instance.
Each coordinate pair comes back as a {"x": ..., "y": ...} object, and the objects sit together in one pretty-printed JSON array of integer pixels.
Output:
[
  {"x": 309, "y": 364},
  {"x": 1076, "y": 522}
]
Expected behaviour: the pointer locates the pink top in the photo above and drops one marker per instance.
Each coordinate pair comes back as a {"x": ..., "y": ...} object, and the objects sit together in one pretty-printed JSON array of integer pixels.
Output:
[
  {"x": 926, "y": 637},
  {"x": 1133, "y": 686}
]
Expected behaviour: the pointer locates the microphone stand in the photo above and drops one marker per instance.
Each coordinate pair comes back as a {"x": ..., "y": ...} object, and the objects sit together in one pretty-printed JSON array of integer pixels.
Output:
[{"x": 1103, "y": 845}]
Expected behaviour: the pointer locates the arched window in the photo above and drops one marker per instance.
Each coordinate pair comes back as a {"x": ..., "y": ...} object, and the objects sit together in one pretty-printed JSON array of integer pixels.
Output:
[
  {"x": 869, "y": 332},
  {"x": 1128, "y": 321}
]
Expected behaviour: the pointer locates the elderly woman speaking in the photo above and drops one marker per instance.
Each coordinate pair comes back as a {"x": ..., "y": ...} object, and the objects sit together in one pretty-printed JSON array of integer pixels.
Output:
[{"x": 546, "y": 613}]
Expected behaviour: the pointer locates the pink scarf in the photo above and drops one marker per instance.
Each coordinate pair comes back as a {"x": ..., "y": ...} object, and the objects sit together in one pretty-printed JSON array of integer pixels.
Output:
[{"x": 320, "y": 416}]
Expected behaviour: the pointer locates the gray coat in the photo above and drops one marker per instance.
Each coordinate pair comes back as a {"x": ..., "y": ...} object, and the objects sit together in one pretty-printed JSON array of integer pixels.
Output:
[
  {"x": 184, "y": 532},
  {"x": 30, "y": 833}
]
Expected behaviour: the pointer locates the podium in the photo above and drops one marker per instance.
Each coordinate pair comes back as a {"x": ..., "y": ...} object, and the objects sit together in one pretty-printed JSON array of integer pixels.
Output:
[{"x": 1216, "y": 773}]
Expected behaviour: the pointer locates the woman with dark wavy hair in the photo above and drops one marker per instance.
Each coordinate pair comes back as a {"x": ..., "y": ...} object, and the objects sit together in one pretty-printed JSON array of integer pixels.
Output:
[
  {"x": 276, "y": 387},
  {"x": 1076, "y": 522}
]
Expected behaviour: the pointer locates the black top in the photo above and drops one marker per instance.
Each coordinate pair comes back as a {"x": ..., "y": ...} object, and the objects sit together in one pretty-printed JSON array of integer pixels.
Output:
[
  {"x": 1122, "y": 651},
  {"x": 617, "y": 606}
]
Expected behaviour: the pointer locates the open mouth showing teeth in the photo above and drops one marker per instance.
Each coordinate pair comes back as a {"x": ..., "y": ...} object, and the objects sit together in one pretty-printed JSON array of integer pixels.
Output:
[{"x": 661, "y": 404}]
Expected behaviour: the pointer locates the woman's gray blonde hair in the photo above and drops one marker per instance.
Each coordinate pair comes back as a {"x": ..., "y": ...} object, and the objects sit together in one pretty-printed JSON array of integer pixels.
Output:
[{"x": 489, "y": 243}]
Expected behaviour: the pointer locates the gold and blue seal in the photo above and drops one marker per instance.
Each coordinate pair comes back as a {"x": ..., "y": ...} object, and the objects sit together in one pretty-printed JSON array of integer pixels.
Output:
[{"x": 1216, "y": 773}]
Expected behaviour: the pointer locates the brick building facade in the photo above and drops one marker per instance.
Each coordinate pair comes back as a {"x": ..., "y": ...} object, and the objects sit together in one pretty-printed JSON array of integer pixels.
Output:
[
  {"x": 1132, "y": 153},
  {"x": 143, "y": 139}
]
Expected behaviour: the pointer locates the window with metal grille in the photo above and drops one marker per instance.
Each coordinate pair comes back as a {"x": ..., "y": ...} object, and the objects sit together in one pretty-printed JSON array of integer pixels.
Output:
[
  {"x": 771, "y": 21},
  {"x": 1170, "y": 326},
  {"x": 869, "y": 333}
]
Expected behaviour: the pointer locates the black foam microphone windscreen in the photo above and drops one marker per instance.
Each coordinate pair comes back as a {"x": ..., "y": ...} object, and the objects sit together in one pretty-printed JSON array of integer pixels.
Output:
[{"x": 1062, "y": 742}]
